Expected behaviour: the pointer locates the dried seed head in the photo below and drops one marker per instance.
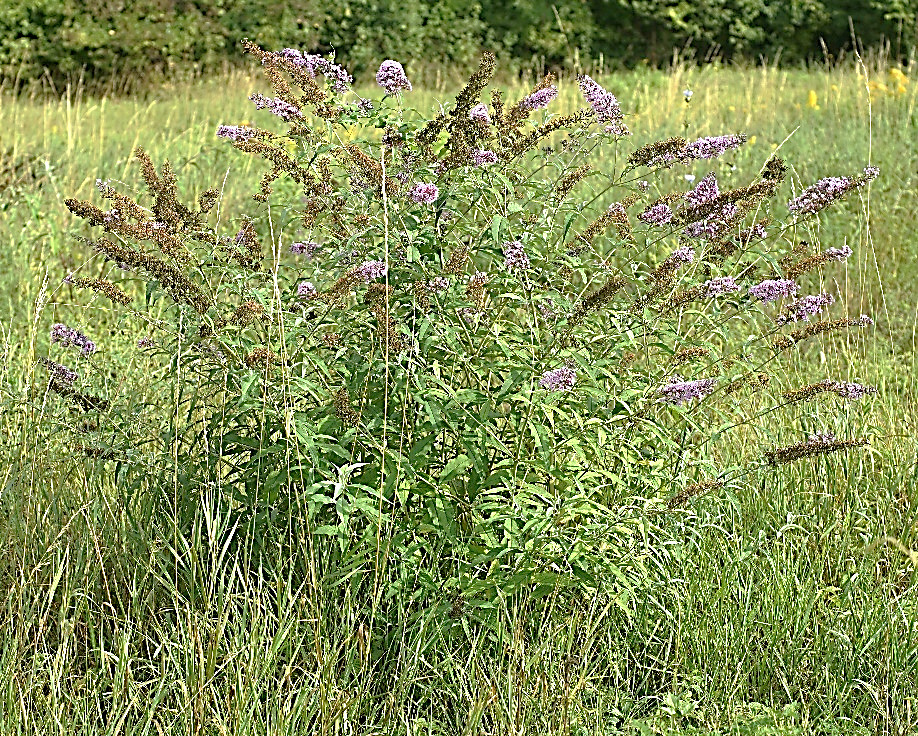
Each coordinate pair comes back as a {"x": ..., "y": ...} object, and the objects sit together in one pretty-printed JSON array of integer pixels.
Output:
[
  {"x": 343, "y": 409},
  {"x": 261, "y": 357},
  {"x": 816, "y": 445},
  {"x": 695, "y": 489},
  {"x": 101, "y": 286},
  {"x": 247, "y": 312}
]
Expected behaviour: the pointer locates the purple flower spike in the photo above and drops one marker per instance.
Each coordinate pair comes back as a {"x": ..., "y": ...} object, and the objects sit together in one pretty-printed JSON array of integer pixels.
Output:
[
  {"x": 682, "y": 254},
  {"x": 306, "y": 290},
  {"x": 484, "y": 158},
  {"x": 370, "y": 270},
  {"x": 824, "y": 192},
  {"x": 392, "y": 78},
  {"x": 821, "y": 438},
  {"x": 605, "y": 105},
  {"x": 559, "y": 379},
  {"x": 710, "y": 147},
  {"x": 283, "y": 109},
  {"x": 307, "y": 249},
  {"x": 235, "y": 132},
  {"x": 853, "y": 391},
  {"x": 424, "y": 193},
  {"x": 720, "y": 286},
  {"x": 146, "y": 342},
  {"x": 363, "y": 106},
  {"x": 69, "y": 336},
  {"x": 61, "y": 373},
  {"x": 756, "y": 232},
  {"x": 315, "y": 65},
  {"x": 704, "y": 192},
  {"x": 678, "y": 392},
  {"x": 479, "y": 114},
  {"x": 771, "y": 290},
  {"x": 802, "y": 309},
  {"x": 659, "y": 214},
  {"x": 515, "y": 258},
  {"x": 839, "y": 254},
  {"x": 540, "y": 99}
]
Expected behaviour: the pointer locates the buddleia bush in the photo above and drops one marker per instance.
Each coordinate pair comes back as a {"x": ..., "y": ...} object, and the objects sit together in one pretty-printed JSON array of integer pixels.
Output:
[{"x": 445, "y": 349}]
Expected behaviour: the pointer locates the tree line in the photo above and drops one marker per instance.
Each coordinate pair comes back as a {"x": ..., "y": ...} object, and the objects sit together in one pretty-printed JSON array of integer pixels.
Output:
[{"x": 143, "y": 40}]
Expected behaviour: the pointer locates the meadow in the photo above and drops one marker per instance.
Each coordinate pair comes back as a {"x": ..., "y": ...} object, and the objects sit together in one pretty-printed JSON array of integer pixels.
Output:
[{"x": 786, "y": 605}]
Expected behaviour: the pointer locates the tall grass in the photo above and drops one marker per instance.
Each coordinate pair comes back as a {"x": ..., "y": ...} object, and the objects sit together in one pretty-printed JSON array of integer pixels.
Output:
[{"x": 786, "y": 606}]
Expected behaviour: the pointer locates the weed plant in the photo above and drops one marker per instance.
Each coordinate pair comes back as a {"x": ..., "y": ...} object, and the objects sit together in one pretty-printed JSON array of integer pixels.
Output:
[{"x": 433, "y": 409}]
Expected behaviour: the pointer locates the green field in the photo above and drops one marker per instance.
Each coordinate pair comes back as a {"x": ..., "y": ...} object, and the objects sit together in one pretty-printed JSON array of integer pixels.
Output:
[{"x": 788, "y": 607}]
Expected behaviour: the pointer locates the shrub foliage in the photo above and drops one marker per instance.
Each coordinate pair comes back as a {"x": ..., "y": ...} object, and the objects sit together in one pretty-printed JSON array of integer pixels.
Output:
[{"x": 443, "y": 351}]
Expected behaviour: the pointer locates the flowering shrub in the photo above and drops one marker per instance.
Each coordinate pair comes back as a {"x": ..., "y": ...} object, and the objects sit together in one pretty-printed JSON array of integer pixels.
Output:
[{"x": 438, "y": 336}]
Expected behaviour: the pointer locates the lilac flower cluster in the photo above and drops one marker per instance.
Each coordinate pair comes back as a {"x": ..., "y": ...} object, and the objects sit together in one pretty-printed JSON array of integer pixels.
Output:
[
  {"x": 515, "y": 258},
  {"x": 146, "y": 342},
  {"x": 679, "y": 391},
  {"x": 755, "y": 232},
  {"x": 682, "y": 255},
  {"x": 824, "y": 192},
  {"x": 805, "y": 307},
  {"x": 710, "y": 147},
  {"x": 440, "y": 283},
  {"x": 112, "y": 217},
  {"x": 469, "y": 314},
  {"x": 712, "y": 226},
  {"x": 705, "y": 191},
  {"x": 559, "y": 379},
  {"x": 540, "y": 99},
  {"x": 659, "y": 214},
  {"x": 363, "y": 106},
  {"x": 839, "y": 254},
  {"x": 605, "y": 105},
  {"x": 307, "y": 249},
  {"x": 283, "y": 109},
  {"x": 306, "y": 290},
  {"x": 68, "y": 336},
  {"x": 235, "y": 132},
  {"x": 820, "y": 195},
  {"x": 61, "y": 373},
  {"x": 617, "y": 128},
  {"x": 314, "y": 65},
  {"x": 424, "y": 193},
  {"x": 720, "y": 286},
  {"x": 484, "y": 158},
  {"x": 392, "y": 78},
  {"x": 771, "y": 290},
  {"x": 821, "y": 438},
  {"x": 479, "y": 114},
  {"x": 853, "y": 391},
  {"x": 369, "y": 270},
  {"x": 547, "y": 308}
]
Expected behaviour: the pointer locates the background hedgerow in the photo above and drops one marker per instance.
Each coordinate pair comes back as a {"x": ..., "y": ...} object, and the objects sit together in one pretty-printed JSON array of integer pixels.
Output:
[
  {"x": 590, "y": 579},
  {"x": 118, "y": 46}
]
